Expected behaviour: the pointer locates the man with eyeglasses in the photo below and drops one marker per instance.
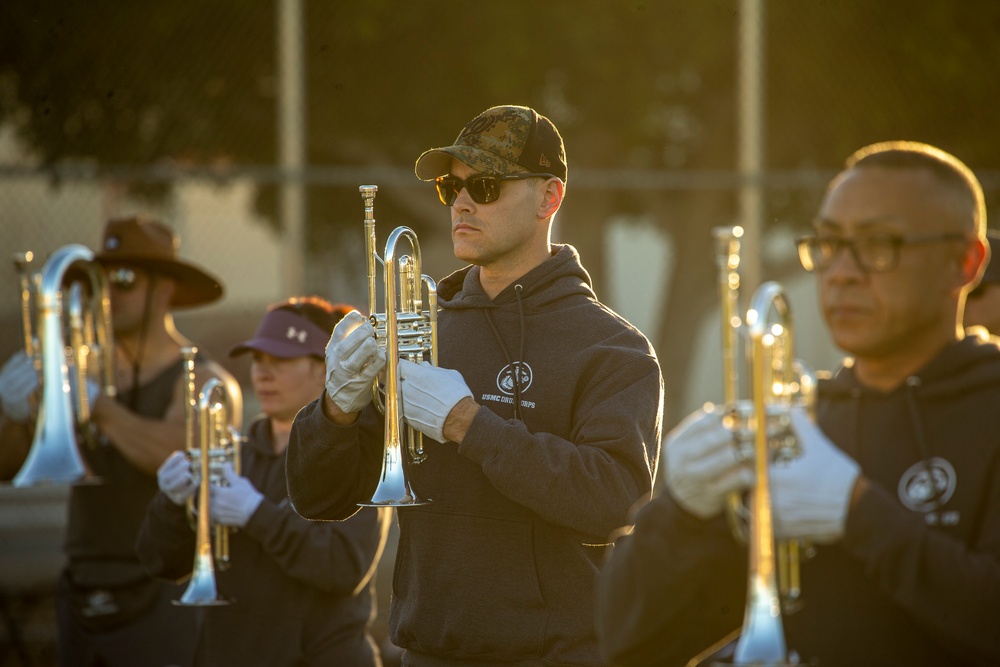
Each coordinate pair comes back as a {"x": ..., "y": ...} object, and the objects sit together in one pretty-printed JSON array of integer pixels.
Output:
[
  {"x": 542, "y": 420},
  {"x": 109, "y": 610},
  {"x": 896, "y": 490}
]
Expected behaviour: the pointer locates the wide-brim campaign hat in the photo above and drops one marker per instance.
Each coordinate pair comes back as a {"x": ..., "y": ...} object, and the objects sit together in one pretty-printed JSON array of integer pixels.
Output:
[
  {"x": 150, "y": 245},
  {"x": 501, "y": 140}
]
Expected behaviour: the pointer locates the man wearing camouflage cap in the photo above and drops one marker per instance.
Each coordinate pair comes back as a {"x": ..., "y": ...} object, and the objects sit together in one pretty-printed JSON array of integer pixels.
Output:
[{"x": 548, "y": 405}]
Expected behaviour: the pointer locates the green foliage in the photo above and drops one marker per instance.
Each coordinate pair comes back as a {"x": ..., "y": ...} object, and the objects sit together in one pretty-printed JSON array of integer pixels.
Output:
[{"x": 632, "y": 84}]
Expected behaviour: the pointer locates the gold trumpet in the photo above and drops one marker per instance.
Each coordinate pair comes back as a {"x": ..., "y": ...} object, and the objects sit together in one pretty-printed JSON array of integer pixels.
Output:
[
  {"x": 404, "y": 330},
  {"x": 764, "y": 425},
  {"x": 793, "y": 385},
  {"x": 762, "y": 640},
  {"x": 83, "y": 313},
  {"x": 218, "y": 443}
]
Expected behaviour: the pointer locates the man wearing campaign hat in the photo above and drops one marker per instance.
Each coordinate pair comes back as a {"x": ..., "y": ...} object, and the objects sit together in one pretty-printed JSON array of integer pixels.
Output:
[
  {"x": 542, "y": 420},
  {"x": 109, "y": 611},
  {"x": 302, "y": 591}
]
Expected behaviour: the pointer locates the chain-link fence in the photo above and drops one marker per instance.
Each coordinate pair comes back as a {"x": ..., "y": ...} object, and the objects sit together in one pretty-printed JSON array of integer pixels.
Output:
[{"x": 627, "y": 225}]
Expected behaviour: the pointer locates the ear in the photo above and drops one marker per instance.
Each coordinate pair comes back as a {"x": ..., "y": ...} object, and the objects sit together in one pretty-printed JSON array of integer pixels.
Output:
[
  {"x": 552, "y": 196},
  {"x": 973, "y": 262}
]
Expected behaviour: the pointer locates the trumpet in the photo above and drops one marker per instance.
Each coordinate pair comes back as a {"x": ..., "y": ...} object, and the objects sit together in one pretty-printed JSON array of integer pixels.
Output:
[
  {"x": 84, "y": 315},
  {"x": 763, "y": 424},
  {"x": 793, "y": 385},
  {"x": 219, "y": 442},
  {"x": 404, "y": 330},
  {"x": 775, "y": 385}
]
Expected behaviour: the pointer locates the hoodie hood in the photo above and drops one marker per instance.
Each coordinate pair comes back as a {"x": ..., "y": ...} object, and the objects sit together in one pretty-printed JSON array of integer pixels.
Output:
[
  {"x": 964, "y": 365},
  {"x": 559, "y": 277},
  {"x": 846, "y": 407}
]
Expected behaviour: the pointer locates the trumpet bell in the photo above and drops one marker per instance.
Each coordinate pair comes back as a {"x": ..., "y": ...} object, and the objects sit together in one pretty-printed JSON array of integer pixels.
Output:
[
  {"x": 394, "y": 489},
  {"x": 201, "y": 591},
  {"x": 53, "y": 458}
]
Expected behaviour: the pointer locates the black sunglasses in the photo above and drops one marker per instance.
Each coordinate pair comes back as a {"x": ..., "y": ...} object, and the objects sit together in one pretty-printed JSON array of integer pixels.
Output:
[
  {"x": 122, "y": 279},
  {"x": 483, "y": 188}
]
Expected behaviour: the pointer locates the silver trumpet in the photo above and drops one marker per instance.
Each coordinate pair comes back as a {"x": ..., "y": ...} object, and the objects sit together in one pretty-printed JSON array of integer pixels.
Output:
[
  {"x": 81, "y": 313},
  {"x": 404, "y": 330}
]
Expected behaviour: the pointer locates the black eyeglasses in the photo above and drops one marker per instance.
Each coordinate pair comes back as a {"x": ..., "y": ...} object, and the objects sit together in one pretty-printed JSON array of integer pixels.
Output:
[
  {"x": 483, "y": 188},
  {"x": 874, "y": 254},
  {"x": 122, "y": 279}
]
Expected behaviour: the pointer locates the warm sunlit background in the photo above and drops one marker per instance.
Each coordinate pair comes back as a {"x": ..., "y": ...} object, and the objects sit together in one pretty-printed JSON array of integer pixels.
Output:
[{"x": 249, "y": 126}]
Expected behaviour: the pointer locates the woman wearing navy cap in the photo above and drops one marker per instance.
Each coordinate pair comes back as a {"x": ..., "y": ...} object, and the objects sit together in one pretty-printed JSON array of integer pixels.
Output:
[{"x": 301, "y": 592}]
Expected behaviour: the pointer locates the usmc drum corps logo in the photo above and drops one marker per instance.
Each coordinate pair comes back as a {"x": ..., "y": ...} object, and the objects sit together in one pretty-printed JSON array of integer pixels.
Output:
[
  {"x": 927, "y": 485},
  {"x": 505, "y": 379}
]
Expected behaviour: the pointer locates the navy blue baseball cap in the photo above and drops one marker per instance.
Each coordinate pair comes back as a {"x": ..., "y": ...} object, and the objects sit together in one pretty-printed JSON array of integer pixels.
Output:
[{"x": 286, "y": 335}]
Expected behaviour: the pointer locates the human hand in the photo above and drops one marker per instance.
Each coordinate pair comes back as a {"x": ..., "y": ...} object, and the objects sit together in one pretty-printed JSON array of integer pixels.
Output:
[
  {"x": 429, "y": 394},
  {"x": 811, "y": 493},
  {"x": 704, "y": 465},
  {"x": 174, "y": 478},
  {"x": 18, "y": 382},
  {"x": 233, "y": 505},
  {"x": 353, "y": 361}
]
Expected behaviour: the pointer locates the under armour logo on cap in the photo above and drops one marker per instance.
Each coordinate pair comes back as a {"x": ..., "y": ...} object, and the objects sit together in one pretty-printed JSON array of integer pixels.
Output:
[
  {"x": 296, "y": 334},
  {"x": 286, "y": 334}
]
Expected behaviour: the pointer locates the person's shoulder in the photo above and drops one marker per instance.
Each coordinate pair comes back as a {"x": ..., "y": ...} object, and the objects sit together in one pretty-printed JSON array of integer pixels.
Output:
[{"x": 621, "y": 326}]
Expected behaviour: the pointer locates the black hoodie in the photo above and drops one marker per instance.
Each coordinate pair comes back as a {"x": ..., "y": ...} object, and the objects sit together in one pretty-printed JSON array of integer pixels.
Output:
[
  {"x": 915, "y": 579},
  {"x": 302, "y": 592},
  {"x": 502, "y": 564}
]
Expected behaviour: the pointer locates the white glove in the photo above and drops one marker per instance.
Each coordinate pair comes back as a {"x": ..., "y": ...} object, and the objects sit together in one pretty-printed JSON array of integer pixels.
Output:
[
  {"x": 353, "y": 361},
  {"x": 704, "y": 465},
  {"x": 174, "y": 478},
  {"x": 811, "y": 493},
  {"x": 233, "y": 505},
  {"x": 18, "y": 381},
  {"x": 429, "y": 394}
]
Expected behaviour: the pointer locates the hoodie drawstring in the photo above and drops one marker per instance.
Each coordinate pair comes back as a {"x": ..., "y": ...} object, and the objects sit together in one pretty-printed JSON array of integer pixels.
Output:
[
  {"x": 514, "y": 364},
  {"x": 912, "y": 384}
]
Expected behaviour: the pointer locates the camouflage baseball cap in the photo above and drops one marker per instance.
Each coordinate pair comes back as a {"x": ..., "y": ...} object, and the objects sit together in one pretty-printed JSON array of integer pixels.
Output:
[{"x": 501, "y": 140}]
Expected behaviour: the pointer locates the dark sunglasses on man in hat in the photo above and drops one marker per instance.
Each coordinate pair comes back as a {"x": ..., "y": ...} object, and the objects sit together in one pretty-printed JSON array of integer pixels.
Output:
[
  {"x": 483, "y": 188},
  {"x": 122, "y": 278}
]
